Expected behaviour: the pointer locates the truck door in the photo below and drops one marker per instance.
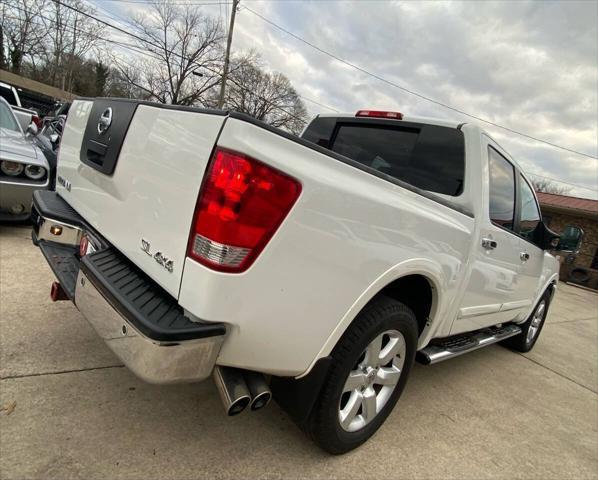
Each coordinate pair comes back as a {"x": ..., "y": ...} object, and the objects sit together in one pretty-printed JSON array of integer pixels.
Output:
[{"x": 493, "y": 294}]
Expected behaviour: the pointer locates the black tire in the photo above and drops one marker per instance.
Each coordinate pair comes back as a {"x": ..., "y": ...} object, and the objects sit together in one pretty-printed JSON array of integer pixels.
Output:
[
  {"x": 522, "y": 342},
  {"x": 380, "y": 315},
  {"x": 579, "y": 275}
]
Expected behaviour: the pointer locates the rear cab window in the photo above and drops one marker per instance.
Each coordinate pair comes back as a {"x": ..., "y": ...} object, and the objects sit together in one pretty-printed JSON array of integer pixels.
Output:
[{"x": 428, "y": 157}]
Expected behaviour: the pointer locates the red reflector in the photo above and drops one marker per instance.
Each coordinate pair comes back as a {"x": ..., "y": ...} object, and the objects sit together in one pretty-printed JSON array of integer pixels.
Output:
[
  {"x": 57, "y": 293},
  {"x": 379, "y": 114},
  {"x": 83, "y": 245},
  {"x": 241, "y": 204}
]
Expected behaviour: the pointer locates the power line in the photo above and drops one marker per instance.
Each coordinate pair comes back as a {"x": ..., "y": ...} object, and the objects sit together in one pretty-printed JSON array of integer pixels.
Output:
[
  {"x": 424, "y": 97},
  {"x": 128, "y": 46},
  {"x": 316, "y": 102},
  {"x": 412, "y": 92},
  {"x": 144, "y": 40},
  {"x": 125, "y": 45},
  {"x": 111, "y": 15},
  {"x": 154, "y": 56},
  {"x": 320, "y": 104},
  {"x": 171, "y": 3}
]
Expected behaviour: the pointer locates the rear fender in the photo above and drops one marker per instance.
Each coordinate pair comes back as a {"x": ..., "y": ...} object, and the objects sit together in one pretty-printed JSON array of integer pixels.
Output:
[{"x": 419, "y": 266}]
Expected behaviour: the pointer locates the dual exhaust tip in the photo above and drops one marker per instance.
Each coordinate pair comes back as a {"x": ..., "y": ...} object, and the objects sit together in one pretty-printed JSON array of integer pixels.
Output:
[{"x": 240, "y": 389}]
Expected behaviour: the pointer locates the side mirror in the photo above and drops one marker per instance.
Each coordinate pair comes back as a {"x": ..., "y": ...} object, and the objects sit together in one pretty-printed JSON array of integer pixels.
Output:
[
  {"x": 546, "y": 239},
  {"x": 571, "y": 239},
  {"x": 32, "y": 129}
]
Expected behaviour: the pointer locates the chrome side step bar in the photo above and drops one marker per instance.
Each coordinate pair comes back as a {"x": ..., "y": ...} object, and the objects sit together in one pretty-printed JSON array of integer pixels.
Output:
[{"x": 458, "y": 345}]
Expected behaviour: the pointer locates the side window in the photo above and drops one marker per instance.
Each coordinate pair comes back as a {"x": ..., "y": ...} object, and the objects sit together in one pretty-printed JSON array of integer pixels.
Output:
[
  {"x": 502, "y": 189},
  {"x": 530, "y": 216}
]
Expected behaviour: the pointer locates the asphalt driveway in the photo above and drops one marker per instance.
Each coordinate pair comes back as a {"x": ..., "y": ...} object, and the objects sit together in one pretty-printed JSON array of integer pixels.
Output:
[{"x": 70, "y": 410}]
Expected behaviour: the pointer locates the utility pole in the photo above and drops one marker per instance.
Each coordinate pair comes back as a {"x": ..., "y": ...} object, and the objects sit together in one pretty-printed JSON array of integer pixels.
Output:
[{"x": 227, "y": 54}]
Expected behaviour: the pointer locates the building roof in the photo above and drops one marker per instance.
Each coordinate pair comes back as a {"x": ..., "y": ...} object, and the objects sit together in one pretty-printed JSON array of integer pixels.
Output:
[{"x": 568, "y": 203}]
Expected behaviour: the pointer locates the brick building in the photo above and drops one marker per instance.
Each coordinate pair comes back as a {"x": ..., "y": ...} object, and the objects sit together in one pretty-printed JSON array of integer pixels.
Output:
[{"x": 566, "y": 216}]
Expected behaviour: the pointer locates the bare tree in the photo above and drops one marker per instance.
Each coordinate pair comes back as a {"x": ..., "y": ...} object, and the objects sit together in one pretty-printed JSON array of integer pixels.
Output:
[
  {"x": 548, "y": 186},
  {"x": 180, "y": 58},
  {"x": 46, "y": 40},
  {"x": 185, "y": 54},
  {"x": 72, "y": 36},
  {"x": 269, "y": 97},
  {"x": 22, "y": 34}
]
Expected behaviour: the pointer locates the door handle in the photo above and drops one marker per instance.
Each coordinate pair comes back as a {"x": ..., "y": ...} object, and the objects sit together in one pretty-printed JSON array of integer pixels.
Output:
[
  {"x": 488, "y": 243},
  {"x": 524, "y": 256}
]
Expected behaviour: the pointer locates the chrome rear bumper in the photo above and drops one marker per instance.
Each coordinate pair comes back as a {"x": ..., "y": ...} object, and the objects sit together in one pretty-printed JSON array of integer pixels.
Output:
[
  {"x": 154, "y": 362},
  {"x": 141, "y": 334}
]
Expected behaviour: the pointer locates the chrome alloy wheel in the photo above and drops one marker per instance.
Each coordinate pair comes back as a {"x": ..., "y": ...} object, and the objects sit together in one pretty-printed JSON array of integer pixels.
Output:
[
  {"x": 372, "y": 381},
  {"x": 534, "y": 326}
]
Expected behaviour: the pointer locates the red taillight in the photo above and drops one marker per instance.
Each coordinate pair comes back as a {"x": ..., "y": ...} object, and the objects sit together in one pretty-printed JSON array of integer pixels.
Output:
[
  {"x": 379, "y": 114},
  {"x": 241, "y": 204}
]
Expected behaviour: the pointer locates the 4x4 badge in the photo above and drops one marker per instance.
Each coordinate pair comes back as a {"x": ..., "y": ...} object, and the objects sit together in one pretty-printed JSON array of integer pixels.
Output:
[{"x": 158, "y": 256}]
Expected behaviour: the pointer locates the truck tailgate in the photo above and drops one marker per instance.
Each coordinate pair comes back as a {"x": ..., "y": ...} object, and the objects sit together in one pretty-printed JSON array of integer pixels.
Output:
[{"x": 136, "y": 182}]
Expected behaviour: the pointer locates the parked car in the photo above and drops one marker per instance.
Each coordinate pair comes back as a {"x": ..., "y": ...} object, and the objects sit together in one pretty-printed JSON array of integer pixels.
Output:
[
  {"x": 48, "y": 144},
  {"x": 48, "y": 138},
  {"x": 23, "y": 166},
  {"x": 199, "y": 241},
  {"x": 53, "y": 126},
  {"x": 24, "y": 115}
]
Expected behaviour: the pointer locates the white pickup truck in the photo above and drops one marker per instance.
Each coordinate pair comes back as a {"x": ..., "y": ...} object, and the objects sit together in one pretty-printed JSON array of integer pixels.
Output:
[{"x": 314, "y": 269}]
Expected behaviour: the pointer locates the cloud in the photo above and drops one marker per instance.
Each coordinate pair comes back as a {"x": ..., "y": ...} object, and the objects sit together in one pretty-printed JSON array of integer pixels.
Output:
[{"x": 531, "y": 66}]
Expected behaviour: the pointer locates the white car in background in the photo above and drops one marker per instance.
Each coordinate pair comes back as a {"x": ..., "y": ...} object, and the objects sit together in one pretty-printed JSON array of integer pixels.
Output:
[
  {"x": 24, "y": 115},
  {"x": 23, "y": 166}
]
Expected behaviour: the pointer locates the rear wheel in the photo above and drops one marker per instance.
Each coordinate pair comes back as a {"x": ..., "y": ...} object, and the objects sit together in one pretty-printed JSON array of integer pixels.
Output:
[
  {"x": 369, "y": 370},
  {"x": 530, "y": 330}
]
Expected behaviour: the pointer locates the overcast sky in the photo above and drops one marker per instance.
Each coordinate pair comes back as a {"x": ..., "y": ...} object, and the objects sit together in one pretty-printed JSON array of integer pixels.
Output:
[{"x": 530, "y": 66}]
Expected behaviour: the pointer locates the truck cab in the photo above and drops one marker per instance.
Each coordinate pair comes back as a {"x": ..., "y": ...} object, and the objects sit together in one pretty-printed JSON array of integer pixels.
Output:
[{"x": 464, "y": 166}]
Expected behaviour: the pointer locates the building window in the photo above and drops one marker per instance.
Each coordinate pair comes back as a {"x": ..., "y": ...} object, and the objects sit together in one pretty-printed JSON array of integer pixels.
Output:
[{"x": 595, "y": 260}]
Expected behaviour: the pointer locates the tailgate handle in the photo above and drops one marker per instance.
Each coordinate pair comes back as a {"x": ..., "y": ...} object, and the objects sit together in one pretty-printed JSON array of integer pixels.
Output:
[{"x": 95, "y": 151}]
